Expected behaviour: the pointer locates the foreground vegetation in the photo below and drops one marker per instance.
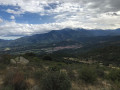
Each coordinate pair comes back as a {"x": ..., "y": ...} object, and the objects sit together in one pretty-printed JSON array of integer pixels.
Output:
[{"x": 45, "y": 72}]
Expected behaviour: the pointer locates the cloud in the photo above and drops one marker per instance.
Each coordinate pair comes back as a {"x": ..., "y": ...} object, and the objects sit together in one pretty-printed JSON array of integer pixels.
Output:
[
  {"x": 88, "y": 14},
  {"x": 17, "y": 29},
  {"x": 38, "y": 6},
  {"x": 1, "y": 20},
  {"x": 26, "y": 4},
  {"x": 45, "y": 7},
  {"x": 14, "y": 12},
  {"x": 12, "y": 17}
]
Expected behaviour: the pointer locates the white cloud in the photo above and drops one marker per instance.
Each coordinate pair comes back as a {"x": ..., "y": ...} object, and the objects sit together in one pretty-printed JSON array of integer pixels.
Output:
[
  {"x": 12, "y": 17},
  {"x": 13, "y": 28},
  {"x": 1, "y": 20},
  {"x": 9, "y": 37},
  {"x": 89, "y": 14},
  {"x": 14, "y": 12},
  {"x": 38, "y": 5}
]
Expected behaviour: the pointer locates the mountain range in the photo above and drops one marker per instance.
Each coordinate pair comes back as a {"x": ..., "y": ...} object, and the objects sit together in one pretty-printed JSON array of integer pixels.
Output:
[{"x": 64, "y": 37}]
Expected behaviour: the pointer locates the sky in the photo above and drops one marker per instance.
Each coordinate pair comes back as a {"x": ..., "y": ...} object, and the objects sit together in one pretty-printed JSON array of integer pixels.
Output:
[{"x": 27, "y": 17}]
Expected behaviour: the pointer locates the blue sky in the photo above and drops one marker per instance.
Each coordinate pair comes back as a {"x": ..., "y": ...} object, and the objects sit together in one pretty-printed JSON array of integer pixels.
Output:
[{"x": 27, "y": 17}]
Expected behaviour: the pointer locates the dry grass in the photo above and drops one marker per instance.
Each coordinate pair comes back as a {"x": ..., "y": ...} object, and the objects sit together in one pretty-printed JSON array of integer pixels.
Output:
[{"x": 102, "y": 85}]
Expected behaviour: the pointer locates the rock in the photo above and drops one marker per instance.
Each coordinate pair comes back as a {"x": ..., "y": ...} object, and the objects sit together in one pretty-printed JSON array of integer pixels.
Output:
[
  {"x": 13, "y": 61},
  {"x": 7, "y": 49},
  {"x": 19, "y": 60},
  {"x": 23, "y": 60}
]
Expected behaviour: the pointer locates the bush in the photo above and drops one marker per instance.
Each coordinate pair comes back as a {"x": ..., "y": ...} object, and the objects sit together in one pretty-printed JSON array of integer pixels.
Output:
[
  {"x": 100, "y": 72},
  {"x": 9, "y": 87},
  {"x": 30, "y": 54},
  {"x": 2, "y": 66},
  {"x": 5, "y": 59},
  {"x": 54, "y": 68},
  {"x": 56, "y": 81},
  {"x": 47, "y": 57},
  {"x": 114, "y": 75},
  {"x": 38, "y": 75},
  {"x": 87, "y": 75},
  {"x": 72, "y": 76},
  {"x": 15, "y": 80}
]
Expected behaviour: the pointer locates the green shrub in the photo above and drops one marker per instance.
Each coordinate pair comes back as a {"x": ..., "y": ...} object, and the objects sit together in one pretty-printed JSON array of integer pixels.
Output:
[
  {"x": 30, "y": 54},
  {"x": 2, "y": 66},
  {"x": 87, "y": 75},
  {"x": 114, "y": 75},
  {"x": 56, "y": 81},
  {"x": 5, "y": 59},
  {"x": 71, "y": 75},
  {"x": 54, "y": 68},
  {"x": 100, "y": 72},
  {"x": 9, "y": 87},
  {"x": 38, "y": 75},
  {"x": 47, "y": 58}
]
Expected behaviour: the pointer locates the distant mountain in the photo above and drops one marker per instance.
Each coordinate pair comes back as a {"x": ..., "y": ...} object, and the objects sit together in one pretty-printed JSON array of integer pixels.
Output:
[
  {"x": 4, "y": 42},
  {"x": 67, "y": 34},
  {"x": 1, "y": 40}
]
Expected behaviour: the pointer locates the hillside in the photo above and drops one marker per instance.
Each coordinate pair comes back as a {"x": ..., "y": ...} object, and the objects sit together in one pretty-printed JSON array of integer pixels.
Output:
[
  {"x": 48, "y": 41},
  {"x": 64, "y": 35}
]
